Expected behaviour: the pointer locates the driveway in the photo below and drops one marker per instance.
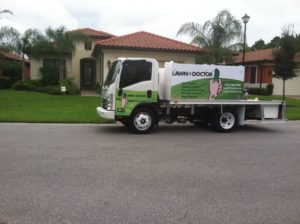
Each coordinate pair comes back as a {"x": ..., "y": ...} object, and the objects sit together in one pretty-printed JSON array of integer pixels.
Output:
[{"x": 55, "y": 173}]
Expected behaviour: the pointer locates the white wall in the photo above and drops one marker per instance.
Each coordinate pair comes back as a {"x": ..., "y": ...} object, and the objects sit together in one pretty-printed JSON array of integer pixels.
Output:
[{"x": 292, "y": 86}]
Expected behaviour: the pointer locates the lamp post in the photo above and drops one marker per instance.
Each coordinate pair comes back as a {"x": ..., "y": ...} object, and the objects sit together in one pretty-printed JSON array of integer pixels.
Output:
[{"x": 245, "y": 19}]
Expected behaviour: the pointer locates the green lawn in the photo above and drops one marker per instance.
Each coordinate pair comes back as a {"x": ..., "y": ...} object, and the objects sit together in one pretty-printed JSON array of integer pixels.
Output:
[
  {"x": 22, "y": 106},
  {"x": 292, "y": 109}
]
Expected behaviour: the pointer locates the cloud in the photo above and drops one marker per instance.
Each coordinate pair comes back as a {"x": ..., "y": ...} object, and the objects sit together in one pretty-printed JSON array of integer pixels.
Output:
[
  {"x": 161, "y": 17},
  {"x": 37, "y": 14}
]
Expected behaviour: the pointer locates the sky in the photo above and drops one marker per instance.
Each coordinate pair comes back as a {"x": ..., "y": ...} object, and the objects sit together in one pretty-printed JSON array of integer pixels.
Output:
[{"x": 119, "y": 17}]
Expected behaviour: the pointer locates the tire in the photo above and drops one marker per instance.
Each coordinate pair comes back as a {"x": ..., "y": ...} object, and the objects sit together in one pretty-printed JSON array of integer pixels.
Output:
[
  {"x": 225, "y": 122},
  {"x": 125, "y": 122},
  {"x": 142, "y": 121}
]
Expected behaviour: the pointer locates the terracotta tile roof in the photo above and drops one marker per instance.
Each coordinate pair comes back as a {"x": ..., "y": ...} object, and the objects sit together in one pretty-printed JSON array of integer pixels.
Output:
[
  {"x": 264, "y": 55},
  {"x": 13, "y": 56},
  {"x": 255, "y": 56},
  {"x": 147, "y": 41},
  {"x": 93, "y": 33}
]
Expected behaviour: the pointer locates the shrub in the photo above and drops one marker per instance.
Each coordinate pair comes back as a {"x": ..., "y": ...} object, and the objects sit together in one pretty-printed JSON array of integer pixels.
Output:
[
  {"x": 270, "y": 88},
  {"x": 259, "y": 91},
  {"x": 53, "y": 90},
  {"x": 71, "y": 87},
  {"x": 37, "y": 85},
  {"x": 49, "y": 76},
  {"x": 5, "y": 82},
  {"x": 98, "y": 88},
  {"x": 30, "y": 85},
  {"x": 12, "y": 70}
]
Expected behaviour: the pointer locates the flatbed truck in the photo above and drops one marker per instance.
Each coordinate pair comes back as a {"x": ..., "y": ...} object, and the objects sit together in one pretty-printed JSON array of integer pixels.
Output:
[{"x": 139, "y": 94}]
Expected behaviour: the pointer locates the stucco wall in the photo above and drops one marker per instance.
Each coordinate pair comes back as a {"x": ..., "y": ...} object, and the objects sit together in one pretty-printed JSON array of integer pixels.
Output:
[
  {"x": 81, "y": 53},
  {"x": 36, "y": 64},
  {"x": 72, "y": 65},
  {"x": 161, "y": 57},
  {"x": 292, "y": 86}
]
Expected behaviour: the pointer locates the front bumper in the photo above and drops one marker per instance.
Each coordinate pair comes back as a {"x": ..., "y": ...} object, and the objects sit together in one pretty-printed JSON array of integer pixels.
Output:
[{"x": 107, "y": 114}]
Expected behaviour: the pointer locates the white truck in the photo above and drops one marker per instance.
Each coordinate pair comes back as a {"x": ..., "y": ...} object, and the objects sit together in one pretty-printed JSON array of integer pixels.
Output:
[{"x": 139, "y": 94}]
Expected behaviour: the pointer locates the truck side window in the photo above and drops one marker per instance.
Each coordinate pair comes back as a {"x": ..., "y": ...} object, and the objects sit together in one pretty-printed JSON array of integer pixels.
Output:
[{"x": 134, "y": 72}]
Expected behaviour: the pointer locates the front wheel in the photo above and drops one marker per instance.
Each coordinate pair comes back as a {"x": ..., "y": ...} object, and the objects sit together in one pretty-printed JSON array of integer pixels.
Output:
[
  {"x": 224, "y": 122},
  {"x": 142, "y": 121}
]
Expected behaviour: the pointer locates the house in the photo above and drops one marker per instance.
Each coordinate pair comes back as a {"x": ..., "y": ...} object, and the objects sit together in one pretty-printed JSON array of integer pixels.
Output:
[
  {"x": 258, "y": 67},
  {"x": 144, "y": 44},
  {"x": 259, "y": 71},
  {"x": 90, "y": 62},
  {"x": 9, "y": 56},
  {"x": 81, "y": 65}
]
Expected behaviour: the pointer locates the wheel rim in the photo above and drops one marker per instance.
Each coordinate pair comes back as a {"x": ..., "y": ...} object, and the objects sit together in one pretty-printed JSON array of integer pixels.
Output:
[
  {"x": 227, "y": 120},
  {"x": 142, "y": 121}
]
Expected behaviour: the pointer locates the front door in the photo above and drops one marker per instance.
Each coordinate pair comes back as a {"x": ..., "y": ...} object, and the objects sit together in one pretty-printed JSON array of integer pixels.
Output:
[
  {"x": 135, "y": 86},
  {"x": 87, "y": 76}
]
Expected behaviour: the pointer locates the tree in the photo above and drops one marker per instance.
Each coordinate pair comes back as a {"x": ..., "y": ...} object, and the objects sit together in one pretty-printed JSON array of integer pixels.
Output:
[
  {"x": 260, "y": 44},
  {"x": 59, "y": 43},
  {"x": 216, "y": 36},
  {"x": 12, "y": 40},
  {"x": 9, "y": 39},
  {"x": 274, "y": 43},
  {"x": 6, "y": 11},
  {"x": 284, "y": 59}
]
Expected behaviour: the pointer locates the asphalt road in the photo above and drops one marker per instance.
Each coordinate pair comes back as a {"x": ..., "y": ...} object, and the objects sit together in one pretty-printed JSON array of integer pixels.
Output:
[{"x": 53, "y": 173}]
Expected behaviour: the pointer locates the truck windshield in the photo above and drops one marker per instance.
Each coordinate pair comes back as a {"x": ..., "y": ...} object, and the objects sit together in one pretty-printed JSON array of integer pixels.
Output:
[{"x": 111, "y": 76}]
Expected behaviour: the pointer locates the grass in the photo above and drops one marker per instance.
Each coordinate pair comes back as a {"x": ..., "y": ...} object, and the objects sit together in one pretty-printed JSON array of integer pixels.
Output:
[
  {"x": 292, "y": 106},
  {"x": 22, "y": 106}
]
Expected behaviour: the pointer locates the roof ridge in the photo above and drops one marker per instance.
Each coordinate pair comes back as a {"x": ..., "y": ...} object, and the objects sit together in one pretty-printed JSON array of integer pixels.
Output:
[
  {"x": 92, "y": 30},
  {"x": 148, "y": 33},
  {"x": 167, "y": 38},
  {"x": 117, "y": 37}
]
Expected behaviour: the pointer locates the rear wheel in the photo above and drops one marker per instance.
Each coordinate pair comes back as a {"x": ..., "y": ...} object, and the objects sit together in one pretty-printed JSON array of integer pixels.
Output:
[
  {"x": 142, "y": 121},
  {"x": 224, "y": 122},
  {"x": 125, "y": 122}
]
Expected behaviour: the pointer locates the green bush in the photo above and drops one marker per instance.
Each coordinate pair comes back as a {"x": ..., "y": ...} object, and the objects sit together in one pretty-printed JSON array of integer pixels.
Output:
[
  {"x": 260, "y": 91},
  {"x": 71, "y": 87},
  {"x": 12, "y": 69},
  {"x": 37, "y": 85},
  {"x": 49, "y": 76},
  {"x": 270, "y": 88},
  {"x": 98, "y": 88},
  {"x": 5, "y": 82},
  {"x": 30, "y": 85},
  {"x": 53, "y": 90}
]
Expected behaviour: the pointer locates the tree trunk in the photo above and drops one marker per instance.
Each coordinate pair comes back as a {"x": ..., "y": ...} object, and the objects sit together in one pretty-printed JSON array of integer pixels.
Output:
[
  {"x": 61, "y": 72},
  {"x": 23, "y": 67},
  {"x": 283, "y": 91}
]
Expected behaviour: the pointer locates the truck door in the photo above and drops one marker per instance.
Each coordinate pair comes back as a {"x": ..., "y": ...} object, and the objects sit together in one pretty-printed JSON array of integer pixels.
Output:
[{"x": 135, "y": 86}]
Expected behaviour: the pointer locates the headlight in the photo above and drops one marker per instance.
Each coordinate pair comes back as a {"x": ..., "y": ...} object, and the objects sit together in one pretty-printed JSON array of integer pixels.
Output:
[{"x": 110, "y": 101}]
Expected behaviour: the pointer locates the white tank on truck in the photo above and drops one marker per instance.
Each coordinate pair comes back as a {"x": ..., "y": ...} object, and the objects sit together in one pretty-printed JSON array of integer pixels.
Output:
[{"x": 139, "y": 94}]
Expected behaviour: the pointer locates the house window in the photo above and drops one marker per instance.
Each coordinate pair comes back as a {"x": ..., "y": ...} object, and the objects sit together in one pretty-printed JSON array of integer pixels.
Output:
[
  {"x": 53, "y": 64},
  {"x": 253, "y": 75},
  {"x": 88, "y": 45},
  {"x": 134, "y": 72}
]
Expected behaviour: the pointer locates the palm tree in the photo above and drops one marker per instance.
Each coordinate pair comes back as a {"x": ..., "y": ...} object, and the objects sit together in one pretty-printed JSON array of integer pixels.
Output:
[
  {"x": 59, "y": 43},
  {"x": 217, "y": 36},
  {"x": 6, "y": 11}
]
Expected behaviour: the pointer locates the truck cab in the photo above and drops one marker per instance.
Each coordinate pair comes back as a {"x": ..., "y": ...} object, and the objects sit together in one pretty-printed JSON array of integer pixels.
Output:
[{"x": 131, "y": 84}]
